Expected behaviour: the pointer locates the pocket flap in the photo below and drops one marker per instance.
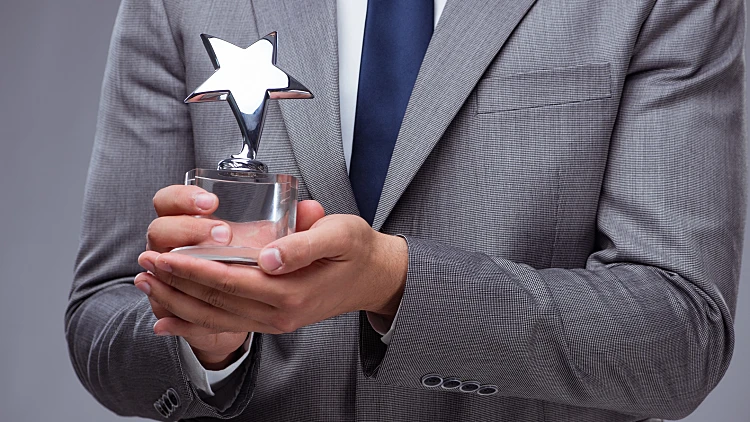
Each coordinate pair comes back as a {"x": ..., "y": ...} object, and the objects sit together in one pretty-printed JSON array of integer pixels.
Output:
[{"x": 544, "y": 87}]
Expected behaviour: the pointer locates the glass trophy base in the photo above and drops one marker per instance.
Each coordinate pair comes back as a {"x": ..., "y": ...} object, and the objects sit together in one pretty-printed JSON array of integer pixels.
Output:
[
  {"x": 226, "y": 254},
  {"x": 258, "y": 208}
]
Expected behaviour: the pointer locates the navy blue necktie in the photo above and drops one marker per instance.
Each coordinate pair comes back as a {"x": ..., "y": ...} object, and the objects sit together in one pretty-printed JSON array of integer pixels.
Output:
[{"x": 397, "y": 33}]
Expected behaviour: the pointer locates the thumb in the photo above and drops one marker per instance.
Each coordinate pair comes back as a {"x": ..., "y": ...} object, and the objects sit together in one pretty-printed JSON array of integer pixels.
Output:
[{"x": 331, "y": 237}]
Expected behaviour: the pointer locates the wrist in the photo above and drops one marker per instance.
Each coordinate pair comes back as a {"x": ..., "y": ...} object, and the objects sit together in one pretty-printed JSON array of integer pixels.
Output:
[
  {"x": 393, "y": 264},
  {"x": 217, "y": 361}
]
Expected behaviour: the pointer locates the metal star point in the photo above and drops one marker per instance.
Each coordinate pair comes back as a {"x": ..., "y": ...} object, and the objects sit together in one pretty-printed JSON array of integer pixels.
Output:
[{"x": 246, "y": 78}]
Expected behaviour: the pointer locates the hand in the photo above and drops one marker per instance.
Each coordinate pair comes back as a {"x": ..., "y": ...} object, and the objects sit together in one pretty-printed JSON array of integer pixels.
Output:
[
  {"x": 339, "y": 265},
  {"x": 177, "y": 207}
]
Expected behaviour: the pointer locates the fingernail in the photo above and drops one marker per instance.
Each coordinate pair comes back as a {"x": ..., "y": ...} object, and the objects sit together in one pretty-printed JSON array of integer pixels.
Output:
[
  {"x": 148, "y": 265},
  {"x": 162, "y": 265},
  {"x": 270, "y": 259},
  {"x": 204, "y": 201},
  {"x": 144, "y": 287},
  {"x": 220, "y": 234},
  {"x": 161, "y": 333}
]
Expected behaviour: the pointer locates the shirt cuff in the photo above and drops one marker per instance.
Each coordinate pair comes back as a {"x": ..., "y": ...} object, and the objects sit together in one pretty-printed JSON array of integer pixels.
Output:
[
  {"x": 379, "y": 324},
  {"x": 203, "y": 379}
]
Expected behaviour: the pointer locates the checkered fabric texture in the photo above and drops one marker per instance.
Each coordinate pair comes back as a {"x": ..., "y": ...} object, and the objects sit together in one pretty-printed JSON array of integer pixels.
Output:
[{"x": 569, "y": 176}]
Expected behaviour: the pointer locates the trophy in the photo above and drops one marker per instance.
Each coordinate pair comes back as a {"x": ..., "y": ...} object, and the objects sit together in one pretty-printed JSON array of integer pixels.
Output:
[{"x": 260, "y": 207}]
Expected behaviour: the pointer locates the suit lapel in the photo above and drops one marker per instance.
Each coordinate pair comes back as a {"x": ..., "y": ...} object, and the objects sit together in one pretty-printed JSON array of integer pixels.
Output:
[
  {"x": 308, "y": 51},
  {"x": 469, "y": 35}
]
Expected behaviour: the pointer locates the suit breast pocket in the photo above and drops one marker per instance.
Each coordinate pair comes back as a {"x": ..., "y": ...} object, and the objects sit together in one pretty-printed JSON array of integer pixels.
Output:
[{"x": 540, "y": 88}]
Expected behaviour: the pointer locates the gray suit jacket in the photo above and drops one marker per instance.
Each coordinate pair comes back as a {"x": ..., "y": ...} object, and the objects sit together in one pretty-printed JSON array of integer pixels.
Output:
[{"x": 569, "y": 176}]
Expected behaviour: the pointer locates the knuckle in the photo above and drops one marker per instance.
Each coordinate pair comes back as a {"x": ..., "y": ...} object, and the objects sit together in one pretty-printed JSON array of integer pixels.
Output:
[
  {"x": 293, "y": 302},
  {"x": 155, "y": 200},
  {"x": 306, "y": 248},
  {"x": 188, "y": 273},
  {"x": 226, "y": 283},
  {"x": 151, "y": 237},
  {"x": 195, "y": 230},
  {"x": 215, "y": 298},
  {"x": 285, "y": 323},
  {"x": 168, "y": 279},
  {"x": 206, "y": 321},
  {"x": 171, "y": 198},
  {"x": 161, "y": 199},
  {"x": 166, "y": 304},
  {"x": 349, "y": 235}
]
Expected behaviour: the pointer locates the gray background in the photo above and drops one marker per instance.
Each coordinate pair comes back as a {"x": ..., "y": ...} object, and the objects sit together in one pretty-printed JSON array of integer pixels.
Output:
[{"x": 52, "y": 56}]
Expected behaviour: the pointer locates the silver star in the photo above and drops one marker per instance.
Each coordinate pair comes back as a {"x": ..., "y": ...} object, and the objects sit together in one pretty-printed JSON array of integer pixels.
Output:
[{"x": 246, "y": 78}]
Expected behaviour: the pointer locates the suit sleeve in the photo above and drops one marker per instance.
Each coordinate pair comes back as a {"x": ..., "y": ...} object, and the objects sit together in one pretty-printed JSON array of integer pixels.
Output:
[
  {"x": 646, "y": 327},
  {"x": 143, "y": 143}
]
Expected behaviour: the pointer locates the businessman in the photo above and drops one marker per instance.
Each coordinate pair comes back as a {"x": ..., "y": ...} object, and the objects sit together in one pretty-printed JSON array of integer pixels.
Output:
[{"x": 540, "y": 219}]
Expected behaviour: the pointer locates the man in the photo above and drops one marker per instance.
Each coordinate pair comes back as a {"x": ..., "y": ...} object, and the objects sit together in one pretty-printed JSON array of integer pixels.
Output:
[{"x": 568, "y": 182}]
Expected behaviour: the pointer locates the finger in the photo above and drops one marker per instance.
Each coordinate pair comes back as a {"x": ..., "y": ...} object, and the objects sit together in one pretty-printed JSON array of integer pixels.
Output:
[
  {"x": 331, "y": 237},
  {"x": 146, "y": 260},
  {"x": 184, "y": 199},
  {"x": 167, "y": 233},
  {"x": 190, "y": 309},
  {"x": 308, "y": 212},
  {"x": 158, "y": 310},
  {"x": 188, "y": 330},
  {"x": 237, "y": 280},
  {"x": 254, "y": 234},
  {"x": 246, "y": 308}
]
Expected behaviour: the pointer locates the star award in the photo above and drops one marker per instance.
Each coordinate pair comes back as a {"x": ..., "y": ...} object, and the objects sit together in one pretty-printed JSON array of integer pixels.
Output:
[{"x": 258, "y": 206}]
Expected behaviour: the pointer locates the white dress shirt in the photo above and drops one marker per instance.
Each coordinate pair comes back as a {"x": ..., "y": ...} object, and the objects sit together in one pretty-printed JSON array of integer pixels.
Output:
[{"x": 350, "y": 21}]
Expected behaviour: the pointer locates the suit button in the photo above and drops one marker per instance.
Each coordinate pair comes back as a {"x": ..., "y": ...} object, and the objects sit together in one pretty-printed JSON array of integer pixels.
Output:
[
  {"x": 172, "y": 398},
  {"x": 451, "y": 383},
  {"x": 487, "y": 390},
  {"x": 167, "y": 403},
  {"x": 469, "y": 387},
  {"x": 162, "y": 411},
  {"x": 432, "y": 380}
]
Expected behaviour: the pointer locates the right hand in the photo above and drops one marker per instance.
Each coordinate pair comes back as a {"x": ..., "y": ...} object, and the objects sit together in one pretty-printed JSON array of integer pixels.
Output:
[{"x": 177, "y": 207}]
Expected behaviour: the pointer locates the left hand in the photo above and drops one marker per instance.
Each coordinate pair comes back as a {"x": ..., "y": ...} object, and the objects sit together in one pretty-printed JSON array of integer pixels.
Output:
[{"x": 339, "y": 265}]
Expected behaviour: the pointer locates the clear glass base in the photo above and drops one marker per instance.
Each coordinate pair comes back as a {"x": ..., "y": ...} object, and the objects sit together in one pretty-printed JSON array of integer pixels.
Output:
[
  {"x": 227, "y": 254},
  {"x": 258, "y": 207}
]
